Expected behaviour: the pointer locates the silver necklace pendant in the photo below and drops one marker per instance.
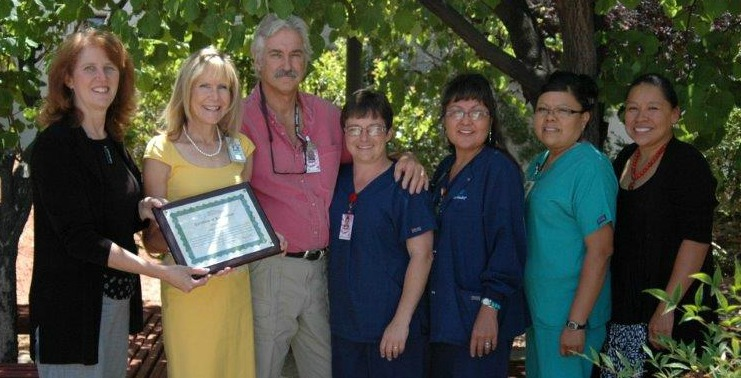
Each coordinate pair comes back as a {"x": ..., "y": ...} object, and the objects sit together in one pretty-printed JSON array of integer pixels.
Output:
[{"x": 185, "y": 130}]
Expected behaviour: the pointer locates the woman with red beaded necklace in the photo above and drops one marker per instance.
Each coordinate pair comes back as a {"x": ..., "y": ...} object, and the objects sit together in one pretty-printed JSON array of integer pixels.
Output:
[{"x": 663, "y": 227}]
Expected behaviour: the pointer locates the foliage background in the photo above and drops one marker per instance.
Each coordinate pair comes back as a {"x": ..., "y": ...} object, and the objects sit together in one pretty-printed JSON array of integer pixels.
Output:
[{"x": 409, "y": 49}]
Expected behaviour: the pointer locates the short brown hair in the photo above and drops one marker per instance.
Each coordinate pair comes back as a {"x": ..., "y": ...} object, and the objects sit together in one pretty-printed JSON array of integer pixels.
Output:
[{"x": 59, "y": 103}]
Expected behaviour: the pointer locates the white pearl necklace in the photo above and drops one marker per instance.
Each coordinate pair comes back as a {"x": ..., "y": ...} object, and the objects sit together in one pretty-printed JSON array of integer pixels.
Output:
[{"x": 185, "y": 130}]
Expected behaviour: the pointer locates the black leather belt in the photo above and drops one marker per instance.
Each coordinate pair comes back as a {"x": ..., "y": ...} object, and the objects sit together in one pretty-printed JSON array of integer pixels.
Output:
[{"x": 311, "y": 255}]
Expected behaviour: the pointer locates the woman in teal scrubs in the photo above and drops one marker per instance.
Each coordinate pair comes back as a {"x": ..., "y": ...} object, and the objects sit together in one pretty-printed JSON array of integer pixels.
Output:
[{"x": 570, "y": 210}]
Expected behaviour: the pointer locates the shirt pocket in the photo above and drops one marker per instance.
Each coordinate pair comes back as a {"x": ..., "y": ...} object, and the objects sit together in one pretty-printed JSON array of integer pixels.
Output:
[{"x": 329, "y": 161}]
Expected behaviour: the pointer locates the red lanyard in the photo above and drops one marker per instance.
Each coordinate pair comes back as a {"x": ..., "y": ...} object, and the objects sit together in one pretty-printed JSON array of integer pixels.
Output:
[{"x": 353, "y": 198}]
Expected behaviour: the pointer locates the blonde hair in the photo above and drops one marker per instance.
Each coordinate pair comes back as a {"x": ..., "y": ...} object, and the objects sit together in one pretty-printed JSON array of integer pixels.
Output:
[{"x": 177, "y": 112}]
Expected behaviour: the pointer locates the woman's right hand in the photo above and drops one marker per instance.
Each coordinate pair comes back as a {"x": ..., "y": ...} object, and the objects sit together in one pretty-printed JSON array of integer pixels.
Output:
[
  {"x": 182, "y": 277},
  {"x": 661, "y": 324},
  {"x": 147, "y": 204}
]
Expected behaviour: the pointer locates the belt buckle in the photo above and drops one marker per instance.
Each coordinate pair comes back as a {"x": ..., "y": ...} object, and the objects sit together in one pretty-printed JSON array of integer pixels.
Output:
[{"x": 314, "y": 254}]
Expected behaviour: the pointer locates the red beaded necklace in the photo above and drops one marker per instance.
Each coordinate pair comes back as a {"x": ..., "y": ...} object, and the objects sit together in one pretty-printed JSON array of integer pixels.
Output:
[{"x": 635, "y": 176}]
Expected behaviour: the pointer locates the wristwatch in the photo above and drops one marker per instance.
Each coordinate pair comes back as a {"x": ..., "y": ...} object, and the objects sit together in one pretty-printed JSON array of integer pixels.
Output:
[
  {"x": 570, "y": 324},
  {"x": 491, "y": 303}
]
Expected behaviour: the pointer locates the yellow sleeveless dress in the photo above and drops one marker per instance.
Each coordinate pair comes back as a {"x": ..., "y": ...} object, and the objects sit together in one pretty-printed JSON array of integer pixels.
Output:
[{"x": 208, "y": 332}]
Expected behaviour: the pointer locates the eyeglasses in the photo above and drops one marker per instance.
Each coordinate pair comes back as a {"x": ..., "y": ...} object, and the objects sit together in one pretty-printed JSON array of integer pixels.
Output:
[
  {"x": 297, "y": 165},
  {"x": 303, "y": 161},
  {"x": 543, "y": 112},
  {"x": 474, "y": 115},
  {"x": 372, "y": 130}
]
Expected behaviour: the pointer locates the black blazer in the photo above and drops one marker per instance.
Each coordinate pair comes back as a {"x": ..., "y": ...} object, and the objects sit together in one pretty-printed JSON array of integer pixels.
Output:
[{"x": 72, "y": 244}]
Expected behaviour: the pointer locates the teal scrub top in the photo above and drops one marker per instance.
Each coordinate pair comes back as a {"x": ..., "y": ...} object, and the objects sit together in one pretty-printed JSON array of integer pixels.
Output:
[{"x": 564, "y": 204}]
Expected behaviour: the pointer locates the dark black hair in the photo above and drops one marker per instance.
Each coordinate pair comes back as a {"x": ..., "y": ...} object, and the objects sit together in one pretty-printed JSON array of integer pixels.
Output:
[
  {"x": 659, "y": 81},
  {"x": 474, "y": 86},
  {"x": 582, "y": 87},
  {"x": 366, "y": 102}
]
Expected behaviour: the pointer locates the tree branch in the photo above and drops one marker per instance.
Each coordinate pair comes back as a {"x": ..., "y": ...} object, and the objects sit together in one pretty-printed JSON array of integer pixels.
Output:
[{"x": 528, "y": 76}]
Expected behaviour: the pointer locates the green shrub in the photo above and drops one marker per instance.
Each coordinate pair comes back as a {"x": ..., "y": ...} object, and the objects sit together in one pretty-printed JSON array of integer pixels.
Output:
[{"x": 721, "y": 355}]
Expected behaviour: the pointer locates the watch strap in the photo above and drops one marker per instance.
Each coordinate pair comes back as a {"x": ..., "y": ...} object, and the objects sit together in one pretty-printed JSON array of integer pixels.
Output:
[{"x": 570, "y": 324}]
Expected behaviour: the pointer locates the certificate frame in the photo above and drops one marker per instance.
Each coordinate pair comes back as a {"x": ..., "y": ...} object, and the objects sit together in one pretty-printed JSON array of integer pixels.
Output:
[{"x": 222, "y": 228}]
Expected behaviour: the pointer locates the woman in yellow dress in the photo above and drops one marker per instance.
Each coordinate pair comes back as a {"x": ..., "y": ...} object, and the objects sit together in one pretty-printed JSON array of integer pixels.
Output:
[{"x": 208, "y": 332}]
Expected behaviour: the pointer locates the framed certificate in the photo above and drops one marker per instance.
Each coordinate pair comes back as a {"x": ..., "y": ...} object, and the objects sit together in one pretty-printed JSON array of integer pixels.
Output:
[{"x": 218, "y": 229}]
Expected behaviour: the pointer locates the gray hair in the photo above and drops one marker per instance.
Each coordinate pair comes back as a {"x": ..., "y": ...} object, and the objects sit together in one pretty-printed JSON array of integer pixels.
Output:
[{"x": 272, "y": 24}]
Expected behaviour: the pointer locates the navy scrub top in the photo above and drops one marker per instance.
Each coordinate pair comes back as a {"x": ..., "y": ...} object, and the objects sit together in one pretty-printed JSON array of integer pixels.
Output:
[
  {"x": 480, "y": 247},
  {"x": 366, "y": 273}
]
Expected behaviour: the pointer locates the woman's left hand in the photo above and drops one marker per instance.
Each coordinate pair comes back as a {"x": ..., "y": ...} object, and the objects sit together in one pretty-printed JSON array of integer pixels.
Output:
[
  {"x": 572, "y": 341},
  {"x": 485, "y": 332},
  {"x": 146, "y": 204},
  {"x": 411, "y": 172},
  {"x": 394, "y": 340},
  {"x": 222, "y": 272},
  {"x": 660, "y": 324}
]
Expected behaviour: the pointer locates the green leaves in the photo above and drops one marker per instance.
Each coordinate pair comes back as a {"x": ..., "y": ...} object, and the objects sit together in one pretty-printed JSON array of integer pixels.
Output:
[
  {"x": 212, "y": 25},
  {"x": 630, "y": 3},
  {"x": 150, "y": 24},
  {"x": 603, "y": 6},
  {"x": 250, "y": 6},
  {"x": 6, "y": 7},
  {"x": 714, "y": 9},
  {"x": 235, "y": 41},
  {"x": 282, "y": 8},
  {"x": 6, "y": 101},
  {"x": 404, "y": 19},
  {"x": 336, "y": 15},
  {"x": 190, "y": 10},
  {"x": 8, "y": 140}
]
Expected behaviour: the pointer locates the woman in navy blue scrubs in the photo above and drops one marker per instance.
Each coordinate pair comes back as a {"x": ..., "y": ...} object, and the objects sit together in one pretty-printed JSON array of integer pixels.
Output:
[
  {"x": 381, "y": 252},
  {"x": 477, "y": 304}
]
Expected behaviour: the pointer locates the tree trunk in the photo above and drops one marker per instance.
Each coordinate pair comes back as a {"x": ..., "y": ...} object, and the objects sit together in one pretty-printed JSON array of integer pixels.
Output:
[
  {"x": 531, "y": 65},
  {"x": 15, "y": 205},
  {"x": 527, "y": 43},
  {"x": 580, "y": 55},
  {"x": 354, "y": 69}
]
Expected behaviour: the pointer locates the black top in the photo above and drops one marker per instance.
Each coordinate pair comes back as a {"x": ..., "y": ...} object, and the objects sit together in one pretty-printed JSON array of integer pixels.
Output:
[
  {"x": 122, "y": 194},
  {"x": 76, "y": 219},
  {"x": 675, "y": 204}
]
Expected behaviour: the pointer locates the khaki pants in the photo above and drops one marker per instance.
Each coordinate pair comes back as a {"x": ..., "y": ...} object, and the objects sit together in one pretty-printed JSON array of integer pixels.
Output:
[
  {"x": 291, "y": 308},
  {"x": 113, "y": 347}
]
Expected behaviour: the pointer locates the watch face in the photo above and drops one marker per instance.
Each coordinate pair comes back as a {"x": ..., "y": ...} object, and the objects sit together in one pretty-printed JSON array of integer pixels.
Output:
[{"x": 574, "y": 325}]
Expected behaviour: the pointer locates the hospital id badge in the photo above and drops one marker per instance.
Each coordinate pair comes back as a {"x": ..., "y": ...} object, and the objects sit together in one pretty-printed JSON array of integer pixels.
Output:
[
  {"x": 346, "y": 226},
  {"x": 236, "y": 153},
  {"x": 528, "y": 187},
  {"x": 312, "y": 157}
]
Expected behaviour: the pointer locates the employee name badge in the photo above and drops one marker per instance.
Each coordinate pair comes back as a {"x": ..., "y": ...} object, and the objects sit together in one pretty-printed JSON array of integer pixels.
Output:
[
  {"x": 312, "y": 157},
  {"x": 236, "y": 153},
  {"x": 346, "y": 226},
  {"x": 528, "y": 187}
]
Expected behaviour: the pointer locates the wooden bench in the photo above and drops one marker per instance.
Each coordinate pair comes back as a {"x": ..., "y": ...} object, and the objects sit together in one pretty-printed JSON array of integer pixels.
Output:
[
  {"x": 146, "y": 349},
  {"x": 18, "y": 370}
]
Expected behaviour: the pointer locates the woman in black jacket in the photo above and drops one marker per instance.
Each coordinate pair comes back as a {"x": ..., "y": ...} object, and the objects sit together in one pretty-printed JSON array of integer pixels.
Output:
[
  {"x": 663, "y": 230},
  {"x": 85, "y": 293}
]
